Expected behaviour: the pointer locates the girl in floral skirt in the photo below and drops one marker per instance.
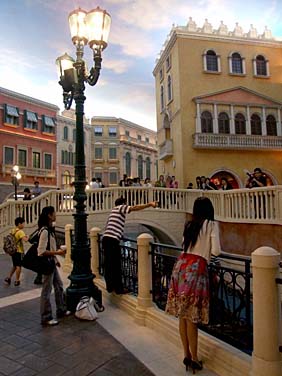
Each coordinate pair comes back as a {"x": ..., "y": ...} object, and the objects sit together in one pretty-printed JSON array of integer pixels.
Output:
[{"x": 188, "y": 296}]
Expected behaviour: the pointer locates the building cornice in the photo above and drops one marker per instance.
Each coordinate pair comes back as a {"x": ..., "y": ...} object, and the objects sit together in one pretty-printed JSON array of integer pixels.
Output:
[
  {"x": 222, "y": 34},
  {"x": 27, "y": 99},
  {"x": 121, "y": 121}
]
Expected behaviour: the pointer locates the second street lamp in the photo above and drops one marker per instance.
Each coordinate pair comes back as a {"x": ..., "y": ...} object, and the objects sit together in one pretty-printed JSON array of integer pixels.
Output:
[
  {"x": 93, "y": 28},
  {"x": 16, "y": 176}
]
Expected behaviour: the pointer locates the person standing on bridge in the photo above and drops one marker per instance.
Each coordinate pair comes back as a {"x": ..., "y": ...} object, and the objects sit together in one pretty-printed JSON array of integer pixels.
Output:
[
  {"x": 188, "y": 295},
  {"x": 111, "y": 243}
]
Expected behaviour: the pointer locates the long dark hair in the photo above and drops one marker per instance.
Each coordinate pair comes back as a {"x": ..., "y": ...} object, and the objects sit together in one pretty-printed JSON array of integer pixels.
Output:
[
  {"x": 202, "y": 210},
  {"x": 44, "y": 220}
]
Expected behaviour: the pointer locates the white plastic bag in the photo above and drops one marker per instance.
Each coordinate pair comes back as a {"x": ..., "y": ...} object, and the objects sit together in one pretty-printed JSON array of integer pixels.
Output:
[{"x": 85, "y": 309}]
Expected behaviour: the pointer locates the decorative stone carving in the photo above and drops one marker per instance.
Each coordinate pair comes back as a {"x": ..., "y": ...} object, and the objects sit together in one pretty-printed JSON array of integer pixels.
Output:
[
  {"x": 207, "y": 27},
  {"x": 191, "y": 25},
  {"x": 238, "y": 31},
  {"x": 223, "y": 29},
  {"x": 253, "y": 32},
  {"x": 267, "y": 34}
]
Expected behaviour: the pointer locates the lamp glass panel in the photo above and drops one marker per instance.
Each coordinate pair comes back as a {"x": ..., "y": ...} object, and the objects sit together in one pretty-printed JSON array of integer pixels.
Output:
[
  {"x": 98, "y": 24},
  {"x": 77, "y": 24},
  {"x": 63, "y": 63}
]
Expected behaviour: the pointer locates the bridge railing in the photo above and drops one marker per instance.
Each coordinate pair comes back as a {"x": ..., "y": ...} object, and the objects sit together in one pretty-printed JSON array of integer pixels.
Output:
[{"x": 258, "y": 205}]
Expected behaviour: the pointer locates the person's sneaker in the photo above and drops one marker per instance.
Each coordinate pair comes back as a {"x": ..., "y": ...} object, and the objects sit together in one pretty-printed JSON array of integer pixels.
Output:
[
  {"x": 7, "y": 281},
  {"x": 67, "y": 313},
  {"x": 52, "y": 322},
  {"x": 63, "y": 314}
]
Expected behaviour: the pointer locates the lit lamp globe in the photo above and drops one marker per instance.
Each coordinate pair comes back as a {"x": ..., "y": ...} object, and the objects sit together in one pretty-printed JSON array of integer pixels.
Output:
[
  {"x": 66, "y": 71},
  {"x": 78, "y": 27},
  {"x": 98, "y": 23}
]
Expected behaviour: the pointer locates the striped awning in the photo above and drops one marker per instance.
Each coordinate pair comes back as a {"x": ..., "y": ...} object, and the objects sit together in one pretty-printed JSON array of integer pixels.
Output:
[
  {"x": 12, "y": 111},
  {"x": 49, "y": 121},
  {"x": 31, "y": 116}
]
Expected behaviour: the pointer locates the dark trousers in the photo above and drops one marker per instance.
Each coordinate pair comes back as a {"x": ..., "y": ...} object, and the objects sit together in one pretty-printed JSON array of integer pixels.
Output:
[{"x": 112, "y": 253}]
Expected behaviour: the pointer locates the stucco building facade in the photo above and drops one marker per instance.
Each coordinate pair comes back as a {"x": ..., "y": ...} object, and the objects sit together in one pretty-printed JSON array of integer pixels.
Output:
[
  {"x": 27, "y": 139},
  {"x": 122, "y": 147},
  {"x": 218, "y": 98}
]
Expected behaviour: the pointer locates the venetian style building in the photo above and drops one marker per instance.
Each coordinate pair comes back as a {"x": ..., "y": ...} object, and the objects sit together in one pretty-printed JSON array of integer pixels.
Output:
[
  {"x": 27, "y": 139},
  {"x": 122, "y": 147},
  {"x": 66, "y": 138},
  {"x": 218, "y": 97}
]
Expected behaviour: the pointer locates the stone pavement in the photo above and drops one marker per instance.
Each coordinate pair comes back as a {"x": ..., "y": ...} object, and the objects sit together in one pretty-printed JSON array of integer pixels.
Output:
[
  {"x": 113, "y": 345},
  {"x": 71, "y": 348}
]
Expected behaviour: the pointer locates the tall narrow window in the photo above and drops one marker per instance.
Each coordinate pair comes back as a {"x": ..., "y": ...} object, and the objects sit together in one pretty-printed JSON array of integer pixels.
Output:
[
  {"x": 261, "y": 66},
  {"x": 128, "y": 164},
  {"x": 206, "y": 122},
  {"x": 211, "y": 61},
  {"x": 48, "y": 161},
  {"x": 255, "y": 125},
  {"x": 74, "y": 135},
  {"x": 169, "y": 88},
  {"x": 140, "y": 166},
  {"x": 66, "y": 133},
  {"x": 22, "y": 157},
  {"x": 35, "y": 159},
  {"x": 112, "y": 153},
  {"x": 271, "y": 128},
  {"x": 162, "y": 98},
  {"x": 8, "y": 155},
  {"x": 237, "y": 64},
  {"x": 240, "y": 124},
  {"x": 98, "y": 153},
  {"x": 223, "y": 123},
  {"x": 113, "y": 177},
  {"x": 148, "y": 168}
]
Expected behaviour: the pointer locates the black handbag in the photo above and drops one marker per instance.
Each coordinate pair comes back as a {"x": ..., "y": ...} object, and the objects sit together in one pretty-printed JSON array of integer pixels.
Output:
[{"x": 38, "y": 264}]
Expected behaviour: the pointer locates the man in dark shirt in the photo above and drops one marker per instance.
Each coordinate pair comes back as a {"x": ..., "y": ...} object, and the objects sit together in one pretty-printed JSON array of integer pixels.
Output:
[
  {"x": 111, "y": 242},
  {"x": 256, "y": 180}
]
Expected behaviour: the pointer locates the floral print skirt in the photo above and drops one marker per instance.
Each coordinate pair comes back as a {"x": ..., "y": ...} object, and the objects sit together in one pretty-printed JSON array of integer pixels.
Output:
[{"x": 188, "y": 295}]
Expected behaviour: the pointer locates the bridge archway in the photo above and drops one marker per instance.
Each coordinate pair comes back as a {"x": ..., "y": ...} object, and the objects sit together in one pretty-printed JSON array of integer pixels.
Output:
[{"x": 159, "y": 233}]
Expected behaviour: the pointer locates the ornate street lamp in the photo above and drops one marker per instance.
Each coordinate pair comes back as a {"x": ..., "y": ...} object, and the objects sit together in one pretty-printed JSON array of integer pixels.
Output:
[
  {"x": 93, "y": 28},
  {"x": 16, "y": 176}
]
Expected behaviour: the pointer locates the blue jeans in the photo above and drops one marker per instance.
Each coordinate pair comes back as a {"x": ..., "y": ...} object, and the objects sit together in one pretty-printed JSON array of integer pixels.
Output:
[{"x": 50, "y": 280}]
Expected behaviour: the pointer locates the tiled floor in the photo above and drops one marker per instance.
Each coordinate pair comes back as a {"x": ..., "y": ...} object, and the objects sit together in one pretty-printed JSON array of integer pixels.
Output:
[{"x": 114, "y": 345}]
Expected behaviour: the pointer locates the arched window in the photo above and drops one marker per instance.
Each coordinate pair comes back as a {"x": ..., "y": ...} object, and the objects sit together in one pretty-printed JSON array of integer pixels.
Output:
[
  {"x": 148, "y": 168},
  {"x": 162, "y": 98},
  {"x": 128, "y": 164},
  {"x": 261, "y": 66},
  {"x": 255, "y": 125},
  {"x": 66, "y": 178},
  {"x": 66, "y": 133},
  {"x": 211, "y": 61},
  {"x": 240, "y": 124},
  {"x": 169, "y": 88},
  {"x": 223, "y": 123},
  {"x": 206, "y": 122},
  {"x": 140, "y": 166},
  {"x": 237, "y": 63},
  {"x": 271, "y": 129}
]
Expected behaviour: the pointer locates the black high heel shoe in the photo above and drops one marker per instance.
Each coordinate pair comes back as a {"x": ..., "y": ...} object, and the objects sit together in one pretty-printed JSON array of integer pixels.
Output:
[
  {"x": 187, "y": 363},
  {"x": 196, "y": 366}
]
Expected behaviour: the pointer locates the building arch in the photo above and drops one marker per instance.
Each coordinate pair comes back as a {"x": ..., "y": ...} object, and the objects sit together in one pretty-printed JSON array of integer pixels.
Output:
[
  {"x": 271, "y": 125},
  {"x": 256, "y": 124},
  {"x": 229, "y": 174},
  {"x": 223, "y": 123},
  {"x": 240, "y": 123},
  {"x": 206, "y": 122}
]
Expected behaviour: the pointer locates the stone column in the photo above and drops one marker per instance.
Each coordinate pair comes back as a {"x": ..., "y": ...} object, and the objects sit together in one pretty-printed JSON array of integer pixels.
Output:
[
  {"x": 232, "y": 120},
  {"x": 279, "y": 131},
  {"x": 94, "y": 249},
  {"x": 198, "y": 119},
  {"x": 144, "y": 299},
  {"x": 266, "y": 358},
  {"x": 263, "y": 123},
  {"x": 67, "y": 267},
  {"x": 215, "y": 119},
  {"x": 248, "y": 122}
]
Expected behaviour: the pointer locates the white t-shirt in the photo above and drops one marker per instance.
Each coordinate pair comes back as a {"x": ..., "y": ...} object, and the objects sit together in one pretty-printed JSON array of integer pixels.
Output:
[{"x": 208, "y": 241}]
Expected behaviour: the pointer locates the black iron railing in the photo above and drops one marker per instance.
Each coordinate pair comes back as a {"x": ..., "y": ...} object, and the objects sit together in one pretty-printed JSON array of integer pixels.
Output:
[
  {"x": 230, "y": 294},
  {"x": 129, "y": 262}
]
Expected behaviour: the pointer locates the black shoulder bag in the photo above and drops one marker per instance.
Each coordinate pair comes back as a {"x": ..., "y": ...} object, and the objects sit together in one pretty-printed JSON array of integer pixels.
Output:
[{"x": 38, "y": 264}]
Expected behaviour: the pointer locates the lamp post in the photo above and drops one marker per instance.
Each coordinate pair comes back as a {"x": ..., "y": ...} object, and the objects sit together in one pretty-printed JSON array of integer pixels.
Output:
[
  {"x": 93, "y": 28},
  {"x": 16, "y": 176}
]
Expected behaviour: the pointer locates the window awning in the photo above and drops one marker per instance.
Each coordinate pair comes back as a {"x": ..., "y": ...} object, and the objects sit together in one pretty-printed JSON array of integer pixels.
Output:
[
  {"x": 31, "y": 116},
  {"x": 12, "y": 111},
  {"x": 49, "y": 121}
]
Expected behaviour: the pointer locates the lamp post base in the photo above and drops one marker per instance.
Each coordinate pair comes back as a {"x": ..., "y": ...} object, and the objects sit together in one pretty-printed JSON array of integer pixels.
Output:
[{"x": 82, "y": 286}]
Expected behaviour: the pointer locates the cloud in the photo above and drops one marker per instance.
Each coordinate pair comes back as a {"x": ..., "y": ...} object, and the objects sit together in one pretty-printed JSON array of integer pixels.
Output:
[{"x": 117, "y": 65}]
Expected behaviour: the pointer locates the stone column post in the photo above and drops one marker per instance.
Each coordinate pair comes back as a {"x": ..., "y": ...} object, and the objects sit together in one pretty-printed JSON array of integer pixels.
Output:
[
  {"x": 68, "y": 262},
  {"x": 266, "y": 358},
  {"x": 94, "y": 248},
  {"x": 144, "y": 299}
]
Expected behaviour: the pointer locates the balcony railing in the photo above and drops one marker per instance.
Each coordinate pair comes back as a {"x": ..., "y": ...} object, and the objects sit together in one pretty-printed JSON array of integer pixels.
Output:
[
  {"x": 236, "y": 141},
  {"x": 27, "y": 171}
]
